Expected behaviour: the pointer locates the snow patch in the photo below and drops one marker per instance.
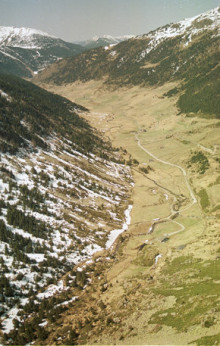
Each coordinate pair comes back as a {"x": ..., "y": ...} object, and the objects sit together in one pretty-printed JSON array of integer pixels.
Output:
[
  {"x": 51, "y": 290},
  {"x": 113, "y": 53},
  {"x": 91, "y": 249},
  {"x": 5, "y": 95},
  {"x": 150, "y": 229},
  {"x": 157, "y": 258},
  {"x": 116, "y": 232},
  {"x": 166, "y": 196},
  {"x": 8, "y": 322},
  {"x": 43, "y": 324},
  {"x": 38, "y": 257}
]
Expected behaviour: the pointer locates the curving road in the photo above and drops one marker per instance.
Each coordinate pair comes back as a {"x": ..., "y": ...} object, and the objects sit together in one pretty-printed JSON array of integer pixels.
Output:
[{"x": 193, "y": 198}]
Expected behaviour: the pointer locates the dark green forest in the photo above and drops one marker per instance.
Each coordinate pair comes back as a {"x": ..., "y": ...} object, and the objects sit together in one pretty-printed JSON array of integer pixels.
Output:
[{"x": 32, "y": 116}]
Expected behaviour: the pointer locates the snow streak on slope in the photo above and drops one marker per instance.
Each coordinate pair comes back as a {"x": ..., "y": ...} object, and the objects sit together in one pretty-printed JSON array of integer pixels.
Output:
[
  {"x": 5, "y": 95},
  {"x": 116, "y": 232},
  {"x": 73, "y": 203},
  {"x": 187, "y": 28}
]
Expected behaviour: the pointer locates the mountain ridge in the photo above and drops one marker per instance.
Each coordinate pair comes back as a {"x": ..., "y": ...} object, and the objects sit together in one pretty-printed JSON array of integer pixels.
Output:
[
  {"x": 102, "y": 41},
  {"x": 186, "y": 52},
  {"x": 25, "y": 51},
  {"x": 8, "y": 34}
]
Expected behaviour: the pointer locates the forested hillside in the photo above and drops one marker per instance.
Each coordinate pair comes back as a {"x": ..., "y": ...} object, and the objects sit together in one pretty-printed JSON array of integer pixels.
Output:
[
  {"x": 30, "y": 115},
  {"x": 63, "y": 191}
]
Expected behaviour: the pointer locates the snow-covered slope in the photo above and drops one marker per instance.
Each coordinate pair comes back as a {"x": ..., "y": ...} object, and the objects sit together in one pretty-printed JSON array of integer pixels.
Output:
[
  {"x": 22, "y": 37},
  {"x": 187, "y": 29},
  {"x": 63, "y": 192},
  {"x": 25, "y": 51}
]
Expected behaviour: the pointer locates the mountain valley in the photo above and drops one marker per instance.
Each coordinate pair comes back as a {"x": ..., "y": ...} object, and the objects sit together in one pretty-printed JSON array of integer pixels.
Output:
[
  {"x": 110, "y": 194},
  {"x": 25, "y": 52},
  {"x": 158, "y": 275},
  {"x": 186, "y": 51}
]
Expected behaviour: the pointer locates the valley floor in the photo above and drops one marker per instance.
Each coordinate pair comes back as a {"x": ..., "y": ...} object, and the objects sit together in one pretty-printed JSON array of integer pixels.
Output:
[{"x": 161, "y": 286}]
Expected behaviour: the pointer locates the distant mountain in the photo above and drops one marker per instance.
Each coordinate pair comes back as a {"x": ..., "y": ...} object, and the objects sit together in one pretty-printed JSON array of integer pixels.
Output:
[
  {"x": 187, "y": 51},
  {"x": 103, "y": 41},
  {"x": 62, "y": 191},
  {"x": 24, "y": 51}
]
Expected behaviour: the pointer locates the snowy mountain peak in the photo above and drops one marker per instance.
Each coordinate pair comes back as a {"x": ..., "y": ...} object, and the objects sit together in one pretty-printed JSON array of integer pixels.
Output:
[
  {"x": 21, "y": 37},
  {"x": 112, "y": 38},
  {"x": 187, "y": 28},
  {"x": 25, "y": 51},
  {"x": 25, "y": 32},
  {"x": 208, "y": 20},
  {"x": 102, "y": 41}
]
